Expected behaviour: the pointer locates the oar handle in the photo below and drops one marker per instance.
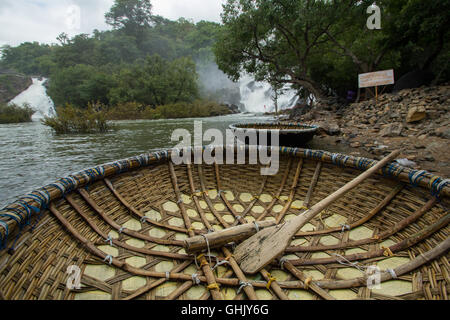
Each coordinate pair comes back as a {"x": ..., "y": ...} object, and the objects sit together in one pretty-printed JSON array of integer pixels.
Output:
[{"x": 314, "y": 210}]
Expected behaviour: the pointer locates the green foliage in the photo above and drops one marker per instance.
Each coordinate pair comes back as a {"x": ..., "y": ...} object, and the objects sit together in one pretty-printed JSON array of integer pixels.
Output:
[
  {"x": 28, "y": 58},
  {"x": 275, "y": 40},
  {"x": 317, "y": 46},
  {"x": 126, "y": 111},
  {"x": 195, "y": 109},
  {"x": 155, "y": 81},
  {"x": 323, "y": 45},
  {"x": 130, "y": 15},
  {"x": 145, "y": 59},
  {"x": 15, "y": 114},
  {"x": 71, "y": 119},
  {"x": 80, "y": 84},
  {"x": 419, "y": 31}
]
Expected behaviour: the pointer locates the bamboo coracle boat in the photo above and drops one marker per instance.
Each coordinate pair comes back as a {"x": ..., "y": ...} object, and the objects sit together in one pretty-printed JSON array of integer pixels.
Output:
[
  {"x": 290, "y": 134},
  {"x": 118, "y": 231}
]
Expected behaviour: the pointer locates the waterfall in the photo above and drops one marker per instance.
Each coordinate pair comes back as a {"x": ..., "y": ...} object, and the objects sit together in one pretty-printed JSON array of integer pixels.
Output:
[
  {"x": 256, "y": 96},
  {"x": 36, "y": 97}
]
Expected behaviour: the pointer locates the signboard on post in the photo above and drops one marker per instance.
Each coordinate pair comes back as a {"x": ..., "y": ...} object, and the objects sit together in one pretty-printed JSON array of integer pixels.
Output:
[{"x": 375, "y": 79}]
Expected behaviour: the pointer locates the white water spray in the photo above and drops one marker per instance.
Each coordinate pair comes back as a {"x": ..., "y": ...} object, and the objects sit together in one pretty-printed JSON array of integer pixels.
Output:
[
  {"x": 257, "y": 96},
  {"x": 36, "y": 96}
]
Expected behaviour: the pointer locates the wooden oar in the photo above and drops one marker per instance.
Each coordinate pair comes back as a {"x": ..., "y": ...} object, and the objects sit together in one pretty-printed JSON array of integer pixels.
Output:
[{"x": 260, "y": 249}]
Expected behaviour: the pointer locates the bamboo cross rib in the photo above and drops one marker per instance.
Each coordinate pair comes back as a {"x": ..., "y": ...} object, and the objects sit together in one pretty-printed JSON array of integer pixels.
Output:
[{"x": 267, "y": 241}]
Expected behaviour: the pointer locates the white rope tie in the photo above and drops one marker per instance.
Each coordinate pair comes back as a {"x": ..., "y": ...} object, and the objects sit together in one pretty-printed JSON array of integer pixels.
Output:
[
  {"x": 238, "y": 217},
  {"x": 345, "y": 227},
  {"x": 110, "y": 240},
  {"x": 167, "y": 275},
  {"x": 121, "y": 230},
  {"x": 219, "y": 263},
  {"x": 345, "y": 262},
  {"x": 209, "y": 250},
  {"x": 282, "y": 262},
  {"x": 195, "y": 279},
  {"x": 212, "y": 256},
  {"x": 392, "y": 272},
  {"x": 179, "y": 201},
  {"x": 108, "y": 258},
  {"x": 242, "y": 285},
  {"x": 144, "y": 219},
  {"x": 256, "y": 226},
  {"x": 195, "y": 261}
]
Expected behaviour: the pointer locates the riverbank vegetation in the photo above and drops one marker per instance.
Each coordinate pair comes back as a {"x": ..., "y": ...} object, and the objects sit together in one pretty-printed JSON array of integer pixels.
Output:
[
  {"x": 96, "y": 117},
  {"x": 15, "y": 114},
  {"x": 76, "y": 120},
  {"x": 195, "y": 109}
]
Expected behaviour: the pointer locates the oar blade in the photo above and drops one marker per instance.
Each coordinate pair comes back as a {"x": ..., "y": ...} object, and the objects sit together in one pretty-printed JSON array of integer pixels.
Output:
[{"x": 260, "y": 249}]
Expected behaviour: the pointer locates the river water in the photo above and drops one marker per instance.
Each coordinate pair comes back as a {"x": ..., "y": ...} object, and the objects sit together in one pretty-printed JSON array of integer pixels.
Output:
[{"x": 31, "y": 155}]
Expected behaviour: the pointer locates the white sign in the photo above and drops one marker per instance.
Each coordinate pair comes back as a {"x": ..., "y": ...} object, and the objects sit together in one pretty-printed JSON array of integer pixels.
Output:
[{"x": 374, "y": 79}]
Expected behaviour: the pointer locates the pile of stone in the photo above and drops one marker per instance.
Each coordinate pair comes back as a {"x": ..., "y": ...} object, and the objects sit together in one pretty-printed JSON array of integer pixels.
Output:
[{"x": 417, "y": 121}]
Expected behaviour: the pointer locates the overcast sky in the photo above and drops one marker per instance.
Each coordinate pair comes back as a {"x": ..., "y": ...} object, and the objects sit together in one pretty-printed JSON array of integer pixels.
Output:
[{"x": 44, "y": 20}]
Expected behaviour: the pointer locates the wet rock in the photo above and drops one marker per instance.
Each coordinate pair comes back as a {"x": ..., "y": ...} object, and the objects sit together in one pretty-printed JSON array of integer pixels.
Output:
[{"x": 332, "y": 129}]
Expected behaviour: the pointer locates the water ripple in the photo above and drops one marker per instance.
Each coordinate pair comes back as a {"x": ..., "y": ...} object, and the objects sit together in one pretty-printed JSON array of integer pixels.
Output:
[{"x": 32, "y": 155}]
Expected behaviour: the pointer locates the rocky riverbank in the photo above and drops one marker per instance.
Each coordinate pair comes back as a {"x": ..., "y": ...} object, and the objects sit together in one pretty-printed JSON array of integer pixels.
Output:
[
  {"x": 11, "y": 85},
  {"x": 417, "y": 121}
]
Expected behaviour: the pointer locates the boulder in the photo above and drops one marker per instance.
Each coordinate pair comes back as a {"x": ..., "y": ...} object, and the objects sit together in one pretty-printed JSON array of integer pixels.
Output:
[
  {"x": 331, "y": 129},
  {"x": 443, "y": 132},
  {"x": 392, "y": 130},
  {"x": 416, "y": 114}
]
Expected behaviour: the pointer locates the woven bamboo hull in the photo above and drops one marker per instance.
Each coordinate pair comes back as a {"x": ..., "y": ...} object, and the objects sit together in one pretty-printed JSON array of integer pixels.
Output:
[
  {"x": 290, "y": 134},
  {"x": 147, "y": 261}
]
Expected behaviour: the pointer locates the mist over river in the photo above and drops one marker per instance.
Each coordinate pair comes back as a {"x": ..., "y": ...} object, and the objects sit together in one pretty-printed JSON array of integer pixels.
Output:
[{"x": 31, "y": 155}]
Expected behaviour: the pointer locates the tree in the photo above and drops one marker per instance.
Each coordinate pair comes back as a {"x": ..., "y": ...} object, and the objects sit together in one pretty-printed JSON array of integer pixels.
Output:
[
  {"x": 81, "y": 49},
  {"x": 275, "y": 40},
  {"x": 133, "y": 16},
  {"x": 320, "y": 46},
  {"x": 419, "y": 30},
  {"x": 183, "y": 80},
  {"x": 352, "y": 48},
  {"x": 79, "y": 85},
  {"x": 28, "y": 58},
  {"x": 155, "y": 81}
]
